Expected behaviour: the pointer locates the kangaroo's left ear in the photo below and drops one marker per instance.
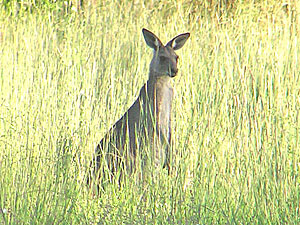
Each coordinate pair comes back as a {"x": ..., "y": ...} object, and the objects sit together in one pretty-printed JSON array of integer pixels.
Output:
[{"x": 178, "y": 41}]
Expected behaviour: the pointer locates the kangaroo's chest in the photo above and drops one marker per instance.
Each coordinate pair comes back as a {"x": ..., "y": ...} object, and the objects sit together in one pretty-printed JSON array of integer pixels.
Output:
[{"x": 163, "y": 106}]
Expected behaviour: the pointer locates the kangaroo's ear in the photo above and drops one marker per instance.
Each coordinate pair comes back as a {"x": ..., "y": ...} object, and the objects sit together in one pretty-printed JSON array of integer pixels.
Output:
[
  {"x": 178, "y": 41},
  {"x": 151, "y": 39}
]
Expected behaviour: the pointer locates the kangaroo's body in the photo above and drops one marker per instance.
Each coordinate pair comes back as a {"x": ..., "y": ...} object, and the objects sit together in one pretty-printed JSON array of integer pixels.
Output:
[{"x": 148, "y": 120}]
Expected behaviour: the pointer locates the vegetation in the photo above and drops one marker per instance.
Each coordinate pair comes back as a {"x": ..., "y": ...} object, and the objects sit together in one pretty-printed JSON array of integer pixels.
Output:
[{"x": 67, "y": 75}]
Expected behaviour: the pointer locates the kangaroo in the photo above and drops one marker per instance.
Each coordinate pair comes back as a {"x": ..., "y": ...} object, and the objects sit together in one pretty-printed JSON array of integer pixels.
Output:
[{"x": 148, "y": 120}]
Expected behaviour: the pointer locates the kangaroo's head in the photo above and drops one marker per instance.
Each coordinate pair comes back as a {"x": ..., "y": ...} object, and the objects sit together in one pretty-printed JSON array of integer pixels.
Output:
[{"x": 164, "y": 61}]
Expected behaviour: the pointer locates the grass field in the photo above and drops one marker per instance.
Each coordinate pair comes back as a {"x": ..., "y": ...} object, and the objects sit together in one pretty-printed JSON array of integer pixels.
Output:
[{"x": 65, "y": 78}]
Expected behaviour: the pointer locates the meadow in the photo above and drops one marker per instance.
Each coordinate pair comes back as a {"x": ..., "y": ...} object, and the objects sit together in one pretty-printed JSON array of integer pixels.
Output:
[{"x": 66, "y": 77}]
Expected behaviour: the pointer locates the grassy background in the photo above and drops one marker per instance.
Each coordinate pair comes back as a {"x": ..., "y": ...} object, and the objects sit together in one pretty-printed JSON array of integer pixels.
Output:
[{"x": 67, "y": 76}]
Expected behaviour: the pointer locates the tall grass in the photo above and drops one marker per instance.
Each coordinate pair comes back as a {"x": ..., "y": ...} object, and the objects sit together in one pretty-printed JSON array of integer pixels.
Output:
[{"x": 66, "y": 78}]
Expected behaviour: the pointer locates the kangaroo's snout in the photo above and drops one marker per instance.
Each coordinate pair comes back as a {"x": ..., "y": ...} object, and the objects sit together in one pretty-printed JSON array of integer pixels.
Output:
[{"x": 173, "y": 72}]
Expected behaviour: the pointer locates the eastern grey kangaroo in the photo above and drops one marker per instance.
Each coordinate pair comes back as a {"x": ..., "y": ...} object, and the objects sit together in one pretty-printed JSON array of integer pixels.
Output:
[{"x": 147, "y": 122}]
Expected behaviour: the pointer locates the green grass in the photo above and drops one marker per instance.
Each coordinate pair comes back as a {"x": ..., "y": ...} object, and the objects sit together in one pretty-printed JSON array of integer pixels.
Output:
[{"x": 66, "y": 78}]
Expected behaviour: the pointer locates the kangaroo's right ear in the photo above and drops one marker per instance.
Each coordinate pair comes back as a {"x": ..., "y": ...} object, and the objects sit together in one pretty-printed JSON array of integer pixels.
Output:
[
  {"x": 178, "y": 41},
  {"x": 151, "y": 39}
]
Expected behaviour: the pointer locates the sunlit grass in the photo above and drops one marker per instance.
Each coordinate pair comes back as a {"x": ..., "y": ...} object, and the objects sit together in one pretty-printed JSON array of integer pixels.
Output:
[{"x": 65, "y": 80}]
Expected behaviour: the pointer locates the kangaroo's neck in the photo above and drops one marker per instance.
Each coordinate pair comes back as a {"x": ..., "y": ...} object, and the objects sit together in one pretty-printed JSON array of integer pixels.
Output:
[
  {"x": 162, "y": 80},
  {"x": 159, "y": 84},
  {"x": 155, "y": 78}
]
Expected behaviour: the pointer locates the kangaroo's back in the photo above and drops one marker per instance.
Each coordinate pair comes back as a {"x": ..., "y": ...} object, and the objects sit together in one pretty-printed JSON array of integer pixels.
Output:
[{"x": 148, "y": 121}]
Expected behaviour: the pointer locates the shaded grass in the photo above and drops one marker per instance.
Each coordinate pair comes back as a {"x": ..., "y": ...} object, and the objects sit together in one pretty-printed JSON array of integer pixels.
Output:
[{"x": 65, "y": 80}]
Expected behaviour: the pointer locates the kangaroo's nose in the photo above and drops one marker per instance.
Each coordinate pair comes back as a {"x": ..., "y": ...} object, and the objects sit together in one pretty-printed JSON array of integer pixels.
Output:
[{"x": 174, "y": 72}]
